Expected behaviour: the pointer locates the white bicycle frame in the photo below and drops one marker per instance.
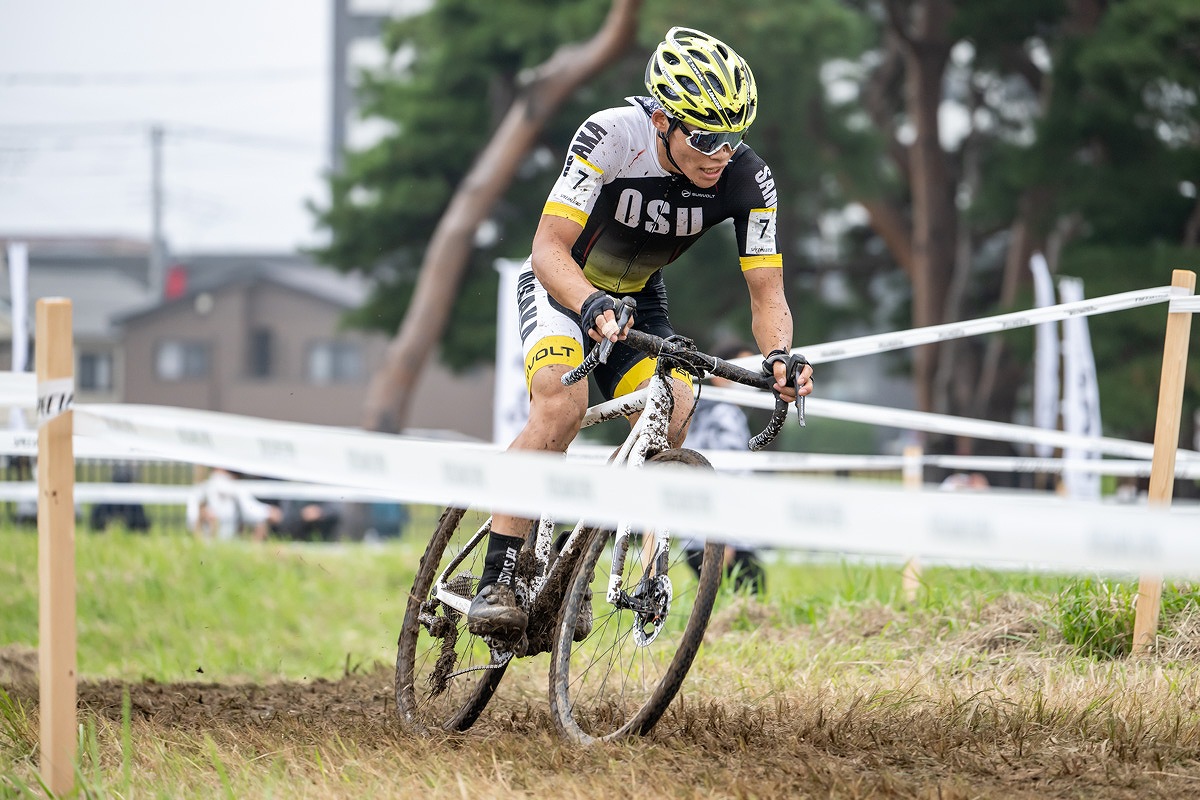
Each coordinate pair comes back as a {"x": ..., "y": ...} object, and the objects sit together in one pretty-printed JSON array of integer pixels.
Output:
[{"x": 647, "y": 437}]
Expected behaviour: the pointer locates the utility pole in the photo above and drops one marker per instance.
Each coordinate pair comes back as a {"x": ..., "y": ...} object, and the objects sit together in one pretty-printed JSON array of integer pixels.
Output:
[
  {"x": 158, "y": 243},
  {"x": 347, "y": 26}
]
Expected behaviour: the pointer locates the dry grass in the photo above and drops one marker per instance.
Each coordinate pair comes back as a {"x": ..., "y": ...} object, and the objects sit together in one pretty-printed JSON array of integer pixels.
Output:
[{"x": 988, "y": 703}]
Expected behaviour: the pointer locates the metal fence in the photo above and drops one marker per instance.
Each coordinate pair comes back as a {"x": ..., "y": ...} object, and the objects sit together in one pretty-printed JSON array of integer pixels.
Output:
[
  {"x": 101, "y": 516},
  {"x": 341, "y": 521}
]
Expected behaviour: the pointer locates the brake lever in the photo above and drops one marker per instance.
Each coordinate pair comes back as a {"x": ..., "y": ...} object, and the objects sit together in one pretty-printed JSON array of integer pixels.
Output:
[{"x": 798, "y": 368}]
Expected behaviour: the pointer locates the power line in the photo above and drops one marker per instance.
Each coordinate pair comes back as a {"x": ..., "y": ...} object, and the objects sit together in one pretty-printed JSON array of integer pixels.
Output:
[
  {"x": 239, "y": 138},
  {"x": 62, "y": 133},
  {"x": 78, "y": 79}
]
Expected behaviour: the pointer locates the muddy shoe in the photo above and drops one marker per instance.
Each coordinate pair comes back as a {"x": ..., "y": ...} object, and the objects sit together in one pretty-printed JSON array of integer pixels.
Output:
[{"x": 494, "y": 612}]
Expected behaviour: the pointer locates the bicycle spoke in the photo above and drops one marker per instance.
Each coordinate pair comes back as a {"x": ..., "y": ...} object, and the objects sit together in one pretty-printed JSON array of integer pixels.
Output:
[{"x": 619, "y": 680}]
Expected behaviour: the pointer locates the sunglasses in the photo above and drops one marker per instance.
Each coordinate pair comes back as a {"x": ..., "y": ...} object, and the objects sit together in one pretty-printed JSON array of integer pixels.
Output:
[{"x": 709, "y": 142}]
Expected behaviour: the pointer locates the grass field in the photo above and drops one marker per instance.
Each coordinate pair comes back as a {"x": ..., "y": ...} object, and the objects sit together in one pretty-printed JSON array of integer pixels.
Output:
[{"x": 242, "y": 670}]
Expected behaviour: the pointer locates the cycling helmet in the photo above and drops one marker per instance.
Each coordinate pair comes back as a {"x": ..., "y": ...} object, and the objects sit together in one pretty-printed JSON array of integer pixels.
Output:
[{"x": 701, "y": 81}]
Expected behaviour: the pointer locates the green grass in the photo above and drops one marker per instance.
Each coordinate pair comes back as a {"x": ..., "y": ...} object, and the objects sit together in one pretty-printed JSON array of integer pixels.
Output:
[
  {"x": 170, "y": 607},
  {"x": 833, "y": 682}
]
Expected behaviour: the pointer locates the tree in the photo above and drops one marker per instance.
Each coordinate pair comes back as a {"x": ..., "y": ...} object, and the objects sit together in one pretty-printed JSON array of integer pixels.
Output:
[
  {"x": 1075, "y": 122},
  {"x": 536, "y": 95}
]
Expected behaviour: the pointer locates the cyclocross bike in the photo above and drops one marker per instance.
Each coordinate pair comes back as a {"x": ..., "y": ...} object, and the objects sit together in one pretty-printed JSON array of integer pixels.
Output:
[{"x": 619, "y": 610}]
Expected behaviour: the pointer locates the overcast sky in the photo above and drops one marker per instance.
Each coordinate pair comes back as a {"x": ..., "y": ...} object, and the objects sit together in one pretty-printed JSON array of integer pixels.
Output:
[{"x": 240, "y": 87}]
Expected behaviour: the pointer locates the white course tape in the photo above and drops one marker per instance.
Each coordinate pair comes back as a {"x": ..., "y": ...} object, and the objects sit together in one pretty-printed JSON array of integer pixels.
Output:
[
  {"x": 54, "y": 398},
  {"x": 883, "y": 342},
  {"x": 1188, "y": 303},
  {"x": 781, "y": 461},
  {"x": 983, "y": 528},
  {"x": 161, "y": 494},
  {"x": 25, "y": 443},
  {"x": 18, "y": 390},
  {"x": 940, "y": 423}
]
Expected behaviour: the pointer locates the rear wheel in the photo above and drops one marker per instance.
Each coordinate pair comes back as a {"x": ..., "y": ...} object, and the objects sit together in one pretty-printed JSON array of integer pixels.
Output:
[
  {"x": 628, "y": 665},
  {"x": 445, "y": 676}
]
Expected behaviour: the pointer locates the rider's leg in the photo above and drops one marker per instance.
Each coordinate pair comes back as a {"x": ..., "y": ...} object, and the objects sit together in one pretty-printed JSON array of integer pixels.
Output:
[{"x": 555, "y": 415}]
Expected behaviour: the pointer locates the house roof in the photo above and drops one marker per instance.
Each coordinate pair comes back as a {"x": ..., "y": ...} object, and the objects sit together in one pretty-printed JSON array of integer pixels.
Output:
[
  {"x": 97, "y": 295},
  {"x": 214, "y": 273},
  {"x": 107, "y": 280}
]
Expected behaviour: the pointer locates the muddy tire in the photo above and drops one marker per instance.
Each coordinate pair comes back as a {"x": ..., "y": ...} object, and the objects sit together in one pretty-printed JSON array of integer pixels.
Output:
[
  {"x": 445, "y": 676},
  {"x": 618, "y": 681}
]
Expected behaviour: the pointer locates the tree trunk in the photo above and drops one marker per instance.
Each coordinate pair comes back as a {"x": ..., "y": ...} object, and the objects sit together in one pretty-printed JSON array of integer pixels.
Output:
[
  {"x": 933, "y": 186},
  {"x": 390, "y": 391}
]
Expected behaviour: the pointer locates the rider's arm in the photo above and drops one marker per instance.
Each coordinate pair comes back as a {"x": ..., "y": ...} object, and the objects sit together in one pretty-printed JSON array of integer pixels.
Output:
[
  {"x": 552, "y": 262},
  {"x": 558, "y": 272},
  {"x": 771, "y": 321}
]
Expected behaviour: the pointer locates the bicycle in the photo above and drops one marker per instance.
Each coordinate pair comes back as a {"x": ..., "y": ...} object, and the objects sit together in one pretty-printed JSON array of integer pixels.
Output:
[{"x": 622, "y": 632}]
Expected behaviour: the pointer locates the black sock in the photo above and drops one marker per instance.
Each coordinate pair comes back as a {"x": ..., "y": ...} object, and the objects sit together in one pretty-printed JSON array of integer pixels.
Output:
[{"x": 500, "y": 563}]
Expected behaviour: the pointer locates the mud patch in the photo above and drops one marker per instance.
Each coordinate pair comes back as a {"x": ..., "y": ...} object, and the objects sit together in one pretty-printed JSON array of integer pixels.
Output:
[{"x": 18, "y": 664}]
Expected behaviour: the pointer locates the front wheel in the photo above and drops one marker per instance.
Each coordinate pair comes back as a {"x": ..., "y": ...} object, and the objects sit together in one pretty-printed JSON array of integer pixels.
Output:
[
  {"x": 445, "y": 676},
  {"x": 616, "y": 676}
]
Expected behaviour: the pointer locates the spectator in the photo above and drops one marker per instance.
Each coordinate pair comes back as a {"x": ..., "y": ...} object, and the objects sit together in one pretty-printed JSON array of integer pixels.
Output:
[
  {"x": 958, "y": 481},
  {"x": 132, "y": 514},
  {"x": 220, "y": 509},
  {"x": 723, "y": 426},
  {"x": 307, "y": 521}
]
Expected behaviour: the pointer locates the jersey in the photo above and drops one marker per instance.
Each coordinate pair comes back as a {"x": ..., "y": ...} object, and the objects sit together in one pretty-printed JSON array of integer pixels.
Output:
[{"x": 637, "y": 217}]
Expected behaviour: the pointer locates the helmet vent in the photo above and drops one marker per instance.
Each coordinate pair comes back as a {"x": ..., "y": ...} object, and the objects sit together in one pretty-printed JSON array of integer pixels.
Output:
[{"x": 714, "y": 82}]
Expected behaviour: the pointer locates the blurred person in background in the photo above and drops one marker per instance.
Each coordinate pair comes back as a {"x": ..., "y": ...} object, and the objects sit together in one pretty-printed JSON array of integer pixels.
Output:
[
  {"x": 219, "y": 508},
  {"x": 307, "y": 520}
]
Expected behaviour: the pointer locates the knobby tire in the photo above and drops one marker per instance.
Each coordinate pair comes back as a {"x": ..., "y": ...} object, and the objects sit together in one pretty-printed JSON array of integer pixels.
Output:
[{"x": 466, "y": 695}]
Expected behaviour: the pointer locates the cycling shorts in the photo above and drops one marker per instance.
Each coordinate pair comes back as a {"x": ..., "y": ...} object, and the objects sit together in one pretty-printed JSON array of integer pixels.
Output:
[{"x": 552, "y": 334}]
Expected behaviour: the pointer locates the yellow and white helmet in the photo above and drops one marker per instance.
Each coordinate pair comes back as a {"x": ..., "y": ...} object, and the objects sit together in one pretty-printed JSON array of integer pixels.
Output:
[{"x": 701, "y": 81}]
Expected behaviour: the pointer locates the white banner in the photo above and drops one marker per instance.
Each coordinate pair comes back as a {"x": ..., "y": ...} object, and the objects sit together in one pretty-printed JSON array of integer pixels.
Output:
[
  {"x": 1046, "y": 355},
  {"x": 510, "y": 404},
  {"x": 18, "y": 286},
  {"x": 1081, "y": 393}
]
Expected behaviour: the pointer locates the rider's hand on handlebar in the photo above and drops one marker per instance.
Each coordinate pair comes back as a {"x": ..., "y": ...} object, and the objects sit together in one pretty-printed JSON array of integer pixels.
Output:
[
  {"x": 778, "y": 364},
  {"x": 599, "y": 317}
]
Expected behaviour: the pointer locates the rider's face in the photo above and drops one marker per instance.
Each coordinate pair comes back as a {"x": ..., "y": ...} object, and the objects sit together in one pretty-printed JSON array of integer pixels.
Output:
[{"x": 703, "y": 171}]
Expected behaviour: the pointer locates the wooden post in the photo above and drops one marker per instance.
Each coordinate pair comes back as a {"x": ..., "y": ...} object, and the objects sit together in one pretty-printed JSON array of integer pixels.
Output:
[
  {"x": 56, "y": 544},
  {"x": 1166, "y": 442},
  {"x": 913, "y": 474}
]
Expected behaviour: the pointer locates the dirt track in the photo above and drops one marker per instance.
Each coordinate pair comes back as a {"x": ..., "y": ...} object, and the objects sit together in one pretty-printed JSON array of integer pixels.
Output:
[{"x": 792, "y": 746}]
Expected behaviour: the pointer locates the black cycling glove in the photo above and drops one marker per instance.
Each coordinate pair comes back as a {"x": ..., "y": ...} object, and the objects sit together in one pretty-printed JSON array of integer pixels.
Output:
[
  {"x": 596, "y": 304},
  {"x": 795, "y": 365},
  {"x": 794, "y": 361}
]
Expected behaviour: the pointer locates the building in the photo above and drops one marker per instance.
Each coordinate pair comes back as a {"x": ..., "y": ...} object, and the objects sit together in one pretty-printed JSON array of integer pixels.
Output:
[{"x": 257, "y": 335}]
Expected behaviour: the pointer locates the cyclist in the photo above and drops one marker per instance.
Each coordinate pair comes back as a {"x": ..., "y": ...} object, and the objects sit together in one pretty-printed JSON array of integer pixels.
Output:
[{"x": 640, "y": 184}]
